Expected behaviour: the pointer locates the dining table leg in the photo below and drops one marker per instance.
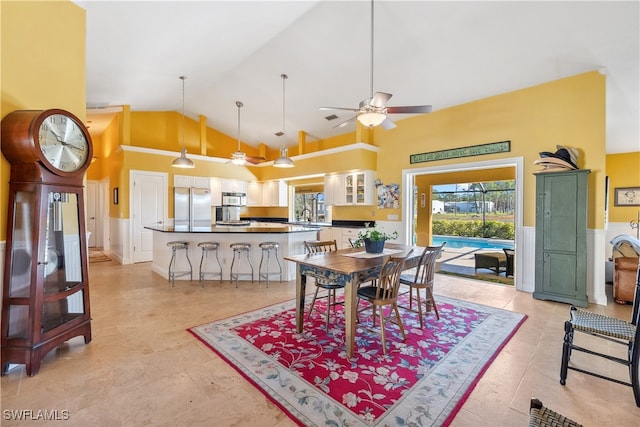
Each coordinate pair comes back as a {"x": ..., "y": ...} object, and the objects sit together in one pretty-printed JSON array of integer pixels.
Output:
[
  {"x": 301, "y": 284},
  {"x": 350, "y": 314}
]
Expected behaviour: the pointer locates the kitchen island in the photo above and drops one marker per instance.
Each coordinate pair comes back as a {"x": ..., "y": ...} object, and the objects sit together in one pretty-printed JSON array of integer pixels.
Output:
[{"x": 290, "y": 237}]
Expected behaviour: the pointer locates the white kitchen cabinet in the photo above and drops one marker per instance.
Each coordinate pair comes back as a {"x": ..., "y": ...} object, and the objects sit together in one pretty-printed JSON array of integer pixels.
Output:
[
  {"x": 234, "y": 186},
  {"x": 349, "y": 189},
  {"x": 333, "y": 190},
  {"x": 349, "y": 233},
  {"x": 191, "y": 181},
  {"x": 275, "y": 193},
  {"x": 216, "y": 191},
  {"x": 359, "y": 188},
  {"x": 255, "y": 191},
  {"x": 201, "y": 182},
  {"x": 325, "y": 233}
]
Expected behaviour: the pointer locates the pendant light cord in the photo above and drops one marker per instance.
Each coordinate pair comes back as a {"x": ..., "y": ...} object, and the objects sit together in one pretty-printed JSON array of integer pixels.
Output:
[
  {"x": 239, "y": 104},
  {"x": 183, "y": 78},
  {"x": 284, "y": 77},
  {"x": 371, "y": 75}
]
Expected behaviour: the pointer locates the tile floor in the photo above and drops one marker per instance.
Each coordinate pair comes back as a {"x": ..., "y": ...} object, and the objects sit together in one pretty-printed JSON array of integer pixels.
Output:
[{"x": 143, "y": 368}]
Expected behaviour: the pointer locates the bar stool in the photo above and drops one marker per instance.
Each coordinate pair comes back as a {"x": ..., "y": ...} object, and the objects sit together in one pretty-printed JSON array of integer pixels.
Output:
[
  {"x": 268, "y": 248},
  {"x": 206, "y": 248},
  {"x": 238, "y": 249},
  {"x": 173, "y": 273}
]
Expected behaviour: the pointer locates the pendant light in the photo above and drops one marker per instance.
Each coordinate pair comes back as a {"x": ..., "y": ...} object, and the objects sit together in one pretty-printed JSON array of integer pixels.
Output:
[
  {"x": 182, "y": 161},
  {"x": 238, "y": 158},
  {"x": 283, "y": 161}
]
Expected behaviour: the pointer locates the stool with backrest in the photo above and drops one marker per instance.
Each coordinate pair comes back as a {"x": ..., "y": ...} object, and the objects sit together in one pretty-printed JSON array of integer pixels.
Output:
[
  {"x": 238, "y": 250},
  {"x": 209, "y": 248},
  {"x": 384, "y": 292},
  {"x": 269, "y": 248},
  {"x": 320, "y": 247},
  {"x": 608, "y": 328},
  {"x": 423, "y": 279},
  {"x": 173, "y": 273}
]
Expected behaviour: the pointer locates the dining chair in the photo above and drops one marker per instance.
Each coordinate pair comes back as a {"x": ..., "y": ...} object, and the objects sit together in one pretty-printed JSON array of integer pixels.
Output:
[
  {"x": 423, "y": 279},
  {"x": 318, "y": 247},
  {"x": 384, "y": 292},
  {"x": 611, "y": 329}
]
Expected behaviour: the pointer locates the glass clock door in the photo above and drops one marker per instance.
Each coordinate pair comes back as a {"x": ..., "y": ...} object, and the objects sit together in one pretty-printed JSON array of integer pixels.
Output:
[{"x": 62, "y": 261}]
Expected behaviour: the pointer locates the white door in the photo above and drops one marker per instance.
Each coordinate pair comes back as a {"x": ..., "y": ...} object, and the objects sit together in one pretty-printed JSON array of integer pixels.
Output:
[
  {"x": 92, "y": 210},
  {"x": 148, "y": 207}
]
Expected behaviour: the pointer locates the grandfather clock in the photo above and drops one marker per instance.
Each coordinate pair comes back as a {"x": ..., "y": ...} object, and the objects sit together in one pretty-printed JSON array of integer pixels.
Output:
[{"x": 45, "y": 299}]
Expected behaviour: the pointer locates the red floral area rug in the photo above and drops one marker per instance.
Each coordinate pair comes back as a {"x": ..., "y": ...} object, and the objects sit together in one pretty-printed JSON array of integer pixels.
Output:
[{"x": 423, "y": 381}]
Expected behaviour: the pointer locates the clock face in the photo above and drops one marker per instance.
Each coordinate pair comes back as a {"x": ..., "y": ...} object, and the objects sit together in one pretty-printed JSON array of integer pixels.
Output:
[{"x": 63, "y": 143}]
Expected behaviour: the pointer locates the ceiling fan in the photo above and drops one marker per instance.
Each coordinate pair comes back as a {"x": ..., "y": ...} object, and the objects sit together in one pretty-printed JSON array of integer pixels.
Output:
[
  {"x": 373, "y": 110},
  {"x": 238, "y": 157}
]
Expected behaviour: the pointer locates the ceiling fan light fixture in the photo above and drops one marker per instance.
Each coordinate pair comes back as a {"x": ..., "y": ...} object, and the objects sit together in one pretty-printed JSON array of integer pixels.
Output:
[
  {"x": 183, "y": 162},
  {"x": 371, "y": 118},
  {"x": 238, "y": 158},
  {"x": 283, "y": 161}
]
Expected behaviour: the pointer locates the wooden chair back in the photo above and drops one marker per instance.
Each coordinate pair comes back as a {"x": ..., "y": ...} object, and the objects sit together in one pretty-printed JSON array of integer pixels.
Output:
[
  {"x": 427, "y": 267},
  {"x": 320, "y": 246},
  {"x": 388, "y": 282}
]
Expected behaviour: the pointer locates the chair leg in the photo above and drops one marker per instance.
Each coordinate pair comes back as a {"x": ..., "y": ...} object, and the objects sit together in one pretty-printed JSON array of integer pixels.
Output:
[
  {"x": 313, "y": 302},
  {"x": 634, "y": 370},
  {"x": 419, "y": 308},
  {"x": 404, "y": 336},
  {"x": 382, "y": 333},
  {"x": 566, "y": 351},
  {"x": 433, "y": 302}
]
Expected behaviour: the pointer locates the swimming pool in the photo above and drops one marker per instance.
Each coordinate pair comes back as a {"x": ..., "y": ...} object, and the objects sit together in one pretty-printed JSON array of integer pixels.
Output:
[{"x": 471, "y": 242}]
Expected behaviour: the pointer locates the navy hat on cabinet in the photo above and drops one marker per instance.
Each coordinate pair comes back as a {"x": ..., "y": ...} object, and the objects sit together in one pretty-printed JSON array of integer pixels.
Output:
[{"x": 566, "y": 154}]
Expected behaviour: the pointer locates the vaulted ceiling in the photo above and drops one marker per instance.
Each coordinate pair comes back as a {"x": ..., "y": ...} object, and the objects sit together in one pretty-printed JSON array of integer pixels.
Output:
[{"x": 425, "y": 52}]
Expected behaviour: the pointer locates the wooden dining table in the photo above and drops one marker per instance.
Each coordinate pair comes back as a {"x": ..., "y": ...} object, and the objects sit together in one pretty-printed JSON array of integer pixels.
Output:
[{"x": 350, "y": 267}]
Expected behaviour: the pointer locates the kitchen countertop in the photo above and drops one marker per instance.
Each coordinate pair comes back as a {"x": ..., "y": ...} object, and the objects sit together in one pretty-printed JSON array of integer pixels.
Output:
[{"x": 257, "y": 227}]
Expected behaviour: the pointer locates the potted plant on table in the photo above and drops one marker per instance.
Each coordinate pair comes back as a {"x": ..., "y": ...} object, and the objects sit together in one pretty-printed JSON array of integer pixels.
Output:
[{"x": 374, "y": 239}]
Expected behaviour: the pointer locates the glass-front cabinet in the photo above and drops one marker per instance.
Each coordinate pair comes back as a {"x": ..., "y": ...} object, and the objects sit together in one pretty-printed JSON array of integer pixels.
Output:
[{"x": 45, "y": 299}]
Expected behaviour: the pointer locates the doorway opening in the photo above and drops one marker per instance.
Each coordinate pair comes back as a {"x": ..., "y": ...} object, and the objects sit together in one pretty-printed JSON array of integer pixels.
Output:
[{"x": 418, "y": 217}]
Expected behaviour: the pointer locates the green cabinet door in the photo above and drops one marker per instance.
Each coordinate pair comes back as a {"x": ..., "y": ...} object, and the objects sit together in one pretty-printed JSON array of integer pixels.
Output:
[{"x": 561, "y": 237}]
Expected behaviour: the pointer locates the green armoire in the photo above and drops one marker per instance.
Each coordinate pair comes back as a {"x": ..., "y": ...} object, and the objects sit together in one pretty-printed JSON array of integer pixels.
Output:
[{"x": 561, "y": 237}]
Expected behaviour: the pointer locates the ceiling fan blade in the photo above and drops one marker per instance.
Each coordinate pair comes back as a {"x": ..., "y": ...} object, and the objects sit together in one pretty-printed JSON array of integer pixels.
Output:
[
  {"x": 338, "y": 108},
  {"x": 255, "y": 160},
  {"x": 346, "y": 122},
  {"x": 387, "y": 124},
  {"x": 380, "y": 99},
  {"x": 415, "y": 109}
]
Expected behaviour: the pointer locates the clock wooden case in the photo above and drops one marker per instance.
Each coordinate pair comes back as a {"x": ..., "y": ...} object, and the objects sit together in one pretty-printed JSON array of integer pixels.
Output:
[{"x": 45, "y": 299}]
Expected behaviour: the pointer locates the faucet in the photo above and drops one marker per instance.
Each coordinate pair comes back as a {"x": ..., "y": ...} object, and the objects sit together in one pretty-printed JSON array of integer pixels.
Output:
[{"x": 309, "y": 216}]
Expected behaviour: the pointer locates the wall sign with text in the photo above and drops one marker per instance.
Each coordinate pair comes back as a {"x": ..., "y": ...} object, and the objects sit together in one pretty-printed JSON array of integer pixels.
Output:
[{"x": 453, "y": 153}]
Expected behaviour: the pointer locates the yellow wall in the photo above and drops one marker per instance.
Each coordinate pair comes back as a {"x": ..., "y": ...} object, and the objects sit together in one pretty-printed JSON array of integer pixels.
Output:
[
  {"x": 623, "y": 171},
  {"x": 569, "y": 111},
  {"x": 43, "y": 65}
]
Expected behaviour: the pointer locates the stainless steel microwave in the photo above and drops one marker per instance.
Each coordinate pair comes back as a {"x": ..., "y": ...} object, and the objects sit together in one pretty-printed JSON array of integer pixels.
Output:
[{"x": 234, "y": 199}]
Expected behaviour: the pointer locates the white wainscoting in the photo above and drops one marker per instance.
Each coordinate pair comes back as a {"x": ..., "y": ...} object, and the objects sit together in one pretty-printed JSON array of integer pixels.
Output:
[{"x": 120, "y": 237}]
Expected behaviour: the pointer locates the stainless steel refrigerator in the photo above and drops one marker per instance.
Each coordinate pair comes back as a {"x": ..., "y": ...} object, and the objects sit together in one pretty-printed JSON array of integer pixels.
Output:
[{"x": 191, "y": 208}]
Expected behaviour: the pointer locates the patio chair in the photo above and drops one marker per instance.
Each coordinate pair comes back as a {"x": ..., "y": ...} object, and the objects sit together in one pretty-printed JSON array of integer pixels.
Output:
[
  {"x": 423, "y": 279},
  {"x": 510, "y": 254},
  {"x": 384, "y": 292},
  {"x": 610, "y": 329}
]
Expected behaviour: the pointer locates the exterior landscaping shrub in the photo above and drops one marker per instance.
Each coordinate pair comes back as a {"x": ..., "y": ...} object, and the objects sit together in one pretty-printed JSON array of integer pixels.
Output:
[{"x": 473, "y": 228}]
